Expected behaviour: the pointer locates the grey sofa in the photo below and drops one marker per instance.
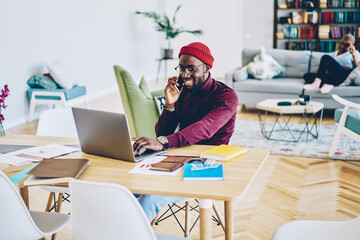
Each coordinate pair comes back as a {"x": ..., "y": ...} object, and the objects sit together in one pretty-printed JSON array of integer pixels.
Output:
[{"x": 290, "y": 83}]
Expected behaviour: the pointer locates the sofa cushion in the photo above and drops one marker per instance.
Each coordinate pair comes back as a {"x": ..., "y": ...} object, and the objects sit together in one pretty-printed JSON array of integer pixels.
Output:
[
  {"x": 315, "y": 61},
  {"x": 352, "y": 121},
  {"x": 279, "y": 85},
  {"x": 295, "y": 63}
]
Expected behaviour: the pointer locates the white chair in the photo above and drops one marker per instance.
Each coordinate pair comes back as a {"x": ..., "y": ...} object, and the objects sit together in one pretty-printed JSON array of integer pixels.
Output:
[
  {"x": 105, "y": 210},
  {"x": 319, "y": 230},
  {"x": 58, "y": 122},
  {"x": 17, "y": 223},
  {"x": 348, "y": 123}
]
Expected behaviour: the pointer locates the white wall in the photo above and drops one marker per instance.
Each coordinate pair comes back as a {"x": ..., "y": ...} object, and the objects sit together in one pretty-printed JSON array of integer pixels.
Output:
[
  {"x": 258, "y": 17},
  {"x": 221, "y": 22},
  {"x": 88, "y": 36},
  {"x": 91, "y": 36}
]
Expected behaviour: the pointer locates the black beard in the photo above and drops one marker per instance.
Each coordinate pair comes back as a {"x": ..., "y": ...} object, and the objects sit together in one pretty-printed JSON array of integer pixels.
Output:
[{"x": 197, "y": 86}]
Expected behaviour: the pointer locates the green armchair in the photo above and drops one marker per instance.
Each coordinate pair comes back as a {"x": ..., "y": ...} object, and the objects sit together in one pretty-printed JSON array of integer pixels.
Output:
[{"x": 139, "y": 105}]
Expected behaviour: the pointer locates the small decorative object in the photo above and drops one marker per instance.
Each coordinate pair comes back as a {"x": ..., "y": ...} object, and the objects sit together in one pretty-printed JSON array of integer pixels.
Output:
[
  {"x": 3, "y": 95},
  {"x": 167, "y": 25}
]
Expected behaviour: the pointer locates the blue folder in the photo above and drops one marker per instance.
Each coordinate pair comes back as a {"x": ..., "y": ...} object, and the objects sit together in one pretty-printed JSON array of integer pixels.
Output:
[
  {"x": 17, "y": 178},
  {"x": 203, "y": 172}
]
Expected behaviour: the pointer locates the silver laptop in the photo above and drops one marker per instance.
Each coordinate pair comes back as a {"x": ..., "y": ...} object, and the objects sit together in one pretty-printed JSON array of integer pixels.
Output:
[{"x": 106, "y": 134}]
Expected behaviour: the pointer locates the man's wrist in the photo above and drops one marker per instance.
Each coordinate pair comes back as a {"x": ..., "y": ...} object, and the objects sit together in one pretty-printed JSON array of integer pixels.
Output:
[
  {"x": 164, "y": 141},
  {"x": 169, "y": 107}
]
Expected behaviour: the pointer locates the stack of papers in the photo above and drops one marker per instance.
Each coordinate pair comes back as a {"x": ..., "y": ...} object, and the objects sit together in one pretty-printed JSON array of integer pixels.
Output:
[
  {"x": 35, "y": 154},
  {"x": 144, "y": 167}
]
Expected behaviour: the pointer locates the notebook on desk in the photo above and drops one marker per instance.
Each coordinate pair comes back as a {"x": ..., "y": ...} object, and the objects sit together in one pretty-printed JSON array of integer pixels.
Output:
[{"x": 106, "y": 134}]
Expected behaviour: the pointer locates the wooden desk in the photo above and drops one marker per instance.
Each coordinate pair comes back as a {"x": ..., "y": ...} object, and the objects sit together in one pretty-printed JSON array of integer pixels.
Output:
[{"x": 238, "y": 175}]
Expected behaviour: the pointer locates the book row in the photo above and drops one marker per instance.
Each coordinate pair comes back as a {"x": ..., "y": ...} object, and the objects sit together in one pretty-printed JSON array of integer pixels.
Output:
[
  {"x": 308, "y": 45},
  {"x": 338, "y": 32},
  {"x": 325, "y": 32},
  {"x": 343, "y": 3},
  {"x": 300, "y": 32},
  {"x": 340, "y": 17}
]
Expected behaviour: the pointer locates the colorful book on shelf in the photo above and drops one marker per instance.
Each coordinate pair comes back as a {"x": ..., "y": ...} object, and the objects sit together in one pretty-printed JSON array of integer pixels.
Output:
[
  {"x": 203, "y": 172},
  {"x": 57, "y": 170},
  {"x": 223, "y": 152}
]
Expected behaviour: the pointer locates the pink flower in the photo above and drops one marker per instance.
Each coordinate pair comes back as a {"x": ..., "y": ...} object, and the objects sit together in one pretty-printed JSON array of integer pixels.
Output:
[{"x": 3, "y": 95}]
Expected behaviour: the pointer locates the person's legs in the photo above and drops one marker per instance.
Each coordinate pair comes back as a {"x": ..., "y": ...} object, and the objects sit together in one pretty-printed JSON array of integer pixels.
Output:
[
  {"x": 334, "y": 79},
  {"x": 152, "y": 204},
  {"x": 309, "y": 77}
]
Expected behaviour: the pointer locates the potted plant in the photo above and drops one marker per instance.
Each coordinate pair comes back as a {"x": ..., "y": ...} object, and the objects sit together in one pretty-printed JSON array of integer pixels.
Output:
[{"x": 166, "y": 25}]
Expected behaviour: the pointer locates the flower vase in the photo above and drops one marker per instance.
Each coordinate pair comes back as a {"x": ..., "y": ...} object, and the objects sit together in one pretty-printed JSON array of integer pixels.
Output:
[{"x": 2, "y": 130}]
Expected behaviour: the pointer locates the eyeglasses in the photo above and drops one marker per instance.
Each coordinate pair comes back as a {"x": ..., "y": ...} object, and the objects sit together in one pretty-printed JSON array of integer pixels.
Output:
[{"x": 190, "y": 70}]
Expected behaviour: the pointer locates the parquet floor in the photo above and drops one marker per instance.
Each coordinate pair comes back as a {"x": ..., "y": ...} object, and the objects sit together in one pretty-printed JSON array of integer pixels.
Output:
[{"x": 287, "y": 188}]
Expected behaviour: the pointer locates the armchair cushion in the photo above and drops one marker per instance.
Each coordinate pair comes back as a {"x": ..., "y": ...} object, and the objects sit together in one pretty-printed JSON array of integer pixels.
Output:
[
  {"x": 140, "y": 109},
  {"x": 352, "y": 121}
]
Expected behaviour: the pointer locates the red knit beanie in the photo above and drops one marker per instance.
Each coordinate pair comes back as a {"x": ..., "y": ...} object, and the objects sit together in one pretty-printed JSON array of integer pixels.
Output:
[{"x": 200, "y": 51}]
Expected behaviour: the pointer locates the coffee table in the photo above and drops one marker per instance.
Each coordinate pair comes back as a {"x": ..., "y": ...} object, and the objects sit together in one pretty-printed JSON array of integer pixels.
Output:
[{"x": 311, "y": 114}]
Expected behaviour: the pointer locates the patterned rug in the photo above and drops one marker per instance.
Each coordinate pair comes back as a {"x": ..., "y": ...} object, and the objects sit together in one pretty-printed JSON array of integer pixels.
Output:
[{"x": 248, "y": 134}]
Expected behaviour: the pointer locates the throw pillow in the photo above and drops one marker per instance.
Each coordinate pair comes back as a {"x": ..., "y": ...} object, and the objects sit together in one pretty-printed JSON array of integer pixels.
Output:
[
  {"x": 160, "y": 101},
  {"x": 61, "y": 74},
  {"x": 41, "y": 81},
  {"x": 241, "y": 74},
  {"x": 264, "y": 66}
]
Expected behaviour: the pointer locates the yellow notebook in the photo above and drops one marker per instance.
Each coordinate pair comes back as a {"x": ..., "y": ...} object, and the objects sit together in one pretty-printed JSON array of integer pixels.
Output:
[{"x": 223, "y": 152}]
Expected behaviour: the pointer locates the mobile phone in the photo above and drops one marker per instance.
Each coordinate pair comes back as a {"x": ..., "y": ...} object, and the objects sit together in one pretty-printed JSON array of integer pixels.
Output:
[{"x": 180, "y": 81}]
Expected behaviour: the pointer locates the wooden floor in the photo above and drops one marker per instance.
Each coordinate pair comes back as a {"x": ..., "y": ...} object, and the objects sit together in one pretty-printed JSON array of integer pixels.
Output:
[{"x": 286, "y": 189}]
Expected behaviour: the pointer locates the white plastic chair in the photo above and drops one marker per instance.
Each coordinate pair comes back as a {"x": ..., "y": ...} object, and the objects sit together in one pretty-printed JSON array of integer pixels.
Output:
[
  {"x": 58, "y": 122},
  {"x": 106, "y": 210},
  {"x": 319, "y": 230},
  {"x": 344, "y": 125},
  {"x": 16, "y": 222}
]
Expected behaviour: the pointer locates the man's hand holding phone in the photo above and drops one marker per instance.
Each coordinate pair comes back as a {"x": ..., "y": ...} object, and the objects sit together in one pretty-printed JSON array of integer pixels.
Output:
[{"x": 173, "y": 90}]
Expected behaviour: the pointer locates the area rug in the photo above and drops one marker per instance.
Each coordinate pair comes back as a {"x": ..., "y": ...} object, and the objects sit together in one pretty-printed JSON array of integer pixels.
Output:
[{"x": 248, "y": 134}]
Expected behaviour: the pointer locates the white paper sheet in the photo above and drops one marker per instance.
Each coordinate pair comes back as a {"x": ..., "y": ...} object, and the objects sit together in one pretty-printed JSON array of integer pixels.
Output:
[
  {"x": 144, "y": 167},
  {"x": 35, "y": 154}
]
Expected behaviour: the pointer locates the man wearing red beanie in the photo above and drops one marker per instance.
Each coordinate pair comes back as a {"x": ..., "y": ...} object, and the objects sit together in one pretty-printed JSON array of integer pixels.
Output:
[{"x": 204, "y": 109}]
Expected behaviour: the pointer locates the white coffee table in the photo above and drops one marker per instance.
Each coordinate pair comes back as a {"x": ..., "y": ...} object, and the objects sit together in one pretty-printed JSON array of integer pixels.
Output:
[{"x": 311, "y": 113}]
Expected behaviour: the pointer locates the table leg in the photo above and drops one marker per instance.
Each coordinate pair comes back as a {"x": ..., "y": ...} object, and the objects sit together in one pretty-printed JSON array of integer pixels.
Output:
[
  {"x": 205, "y": 218},
  {"x": 229, "y": 220}
]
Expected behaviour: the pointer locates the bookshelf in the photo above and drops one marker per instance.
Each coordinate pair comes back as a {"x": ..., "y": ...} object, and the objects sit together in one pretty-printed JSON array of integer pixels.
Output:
[{"x": 315, "y": 25}]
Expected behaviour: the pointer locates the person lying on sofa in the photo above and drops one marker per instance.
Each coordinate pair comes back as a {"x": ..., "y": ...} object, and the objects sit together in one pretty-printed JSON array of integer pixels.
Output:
[
  {"x": 334, "y": 68},
  {"x": 204, "y": 108}
]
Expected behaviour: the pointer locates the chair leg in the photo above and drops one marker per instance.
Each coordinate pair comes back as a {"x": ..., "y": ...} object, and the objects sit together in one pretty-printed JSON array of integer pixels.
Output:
[
  {"x": 31, "y": 111},
  {"x": 58, "y": 209},
  {"x": 50, "y": 200},
  {"x": 154, "y": 220},
  {"x": 219, "y": 216},
  {"x": 335, "y": 141},
  {"x": 187, "y": 220}
]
